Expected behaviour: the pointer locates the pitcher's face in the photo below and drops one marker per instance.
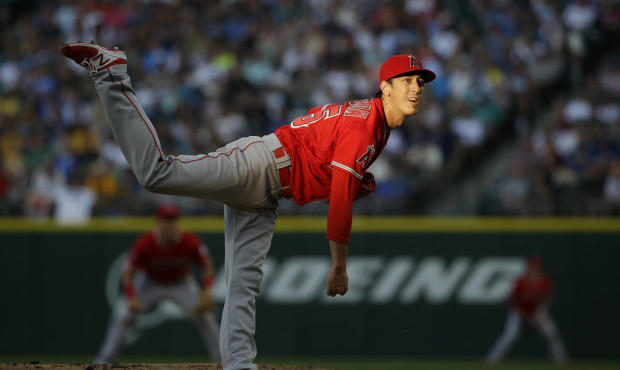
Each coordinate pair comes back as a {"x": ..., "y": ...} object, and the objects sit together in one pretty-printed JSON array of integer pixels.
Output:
[{"x": 404, "y": 95}]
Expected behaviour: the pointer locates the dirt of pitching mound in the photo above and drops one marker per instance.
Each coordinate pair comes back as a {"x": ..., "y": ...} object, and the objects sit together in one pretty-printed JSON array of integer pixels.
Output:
[{"x": 36, "y": 366}]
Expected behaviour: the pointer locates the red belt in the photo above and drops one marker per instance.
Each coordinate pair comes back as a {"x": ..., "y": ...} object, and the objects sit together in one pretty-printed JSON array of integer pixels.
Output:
[{"x": 285, "y": 175}]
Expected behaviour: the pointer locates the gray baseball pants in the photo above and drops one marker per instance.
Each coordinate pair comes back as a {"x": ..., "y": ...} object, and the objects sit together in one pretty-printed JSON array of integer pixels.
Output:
[
  {"x": 243, "y": 175},
  {"x": 512, "y": 331},
  {"x": 150, "y": 293}
]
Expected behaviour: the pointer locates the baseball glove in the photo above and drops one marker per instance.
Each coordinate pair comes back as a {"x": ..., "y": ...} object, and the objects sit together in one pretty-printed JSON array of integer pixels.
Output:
[
  {"x": 367, "y": 185},
  {"x": 205, "y": 302}
]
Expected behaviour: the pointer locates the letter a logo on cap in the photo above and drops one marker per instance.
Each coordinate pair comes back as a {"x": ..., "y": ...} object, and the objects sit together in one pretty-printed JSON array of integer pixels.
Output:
[{"x": 413, "y": 62}]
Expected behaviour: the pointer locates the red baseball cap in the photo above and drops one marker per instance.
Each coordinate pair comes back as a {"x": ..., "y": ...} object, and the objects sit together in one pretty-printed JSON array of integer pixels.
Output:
[
  {"x": 534, "y": 261},
  {"x": 397, "y": 65},
  {"x": 168, "y": 211}
]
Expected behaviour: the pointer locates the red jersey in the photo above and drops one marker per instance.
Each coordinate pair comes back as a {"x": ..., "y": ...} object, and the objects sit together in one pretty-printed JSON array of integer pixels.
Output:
[
  {"x": 167, "y": 263},
  {"x": 330, "y": 149},
  {"x": 528, "y": 294}
]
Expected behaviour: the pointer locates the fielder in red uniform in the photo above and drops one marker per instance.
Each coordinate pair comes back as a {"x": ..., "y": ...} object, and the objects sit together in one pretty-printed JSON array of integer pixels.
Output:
[
  {"x": 529, "y": 304},
  {"x": 323, "y": 155},
  {"x": 158, "y": 269}
]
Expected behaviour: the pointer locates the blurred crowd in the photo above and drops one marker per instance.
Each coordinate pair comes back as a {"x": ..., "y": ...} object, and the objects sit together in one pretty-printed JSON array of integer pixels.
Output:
[
  {"x": 568, "y": 162},
  {"x": 543, "y": 73}
]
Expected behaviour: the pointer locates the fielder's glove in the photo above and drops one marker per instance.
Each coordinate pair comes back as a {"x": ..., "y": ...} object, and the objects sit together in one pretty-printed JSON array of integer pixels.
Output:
[
  {"x": 367, "y": 185},
  {"x": 205, "y": 302}
]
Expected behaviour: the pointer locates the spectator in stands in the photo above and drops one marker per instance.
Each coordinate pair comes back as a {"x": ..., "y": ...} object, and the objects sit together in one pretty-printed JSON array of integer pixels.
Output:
[{"x": 497, "y": 60}]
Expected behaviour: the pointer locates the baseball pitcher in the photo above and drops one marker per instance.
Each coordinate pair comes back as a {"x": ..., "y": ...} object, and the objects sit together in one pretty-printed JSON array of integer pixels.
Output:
[{"x": 323, "y": 155}]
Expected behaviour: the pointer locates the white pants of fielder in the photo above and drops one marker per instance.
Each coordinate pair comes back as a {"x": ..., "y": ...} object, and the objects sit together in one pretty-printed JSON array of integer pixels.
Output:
[
  {"x": 512, "y": 331},
  {"x": 243, "y": 175},
  {"x": 150, "y": 293}
]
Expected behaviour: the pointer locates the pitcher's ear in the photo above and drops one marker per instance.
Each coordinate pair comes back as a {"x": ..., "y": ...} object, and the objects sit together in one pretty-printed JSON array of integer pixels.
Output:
[{"x": 386, "y": 88}]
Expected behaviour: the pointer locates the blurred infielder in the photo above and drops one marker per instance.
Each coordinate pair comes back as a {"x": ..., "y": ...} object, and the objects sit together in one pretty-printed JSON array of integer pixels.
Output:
[
  {"x": 529, "y": 304},
  {"x": 321, "y": 156},
  {"x": 158, "y": 269}
]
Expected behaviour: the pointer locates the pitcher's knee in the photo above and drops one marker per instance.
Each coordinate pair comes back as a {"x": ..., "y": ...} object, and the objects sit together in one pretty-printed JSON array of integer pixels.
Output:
[{"x": 149, "y": 183}]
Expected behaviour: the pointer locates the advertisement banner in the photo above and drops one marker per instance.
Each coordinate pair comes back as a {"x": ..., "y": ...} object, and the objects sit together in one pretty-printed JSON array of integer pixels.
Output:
[{"x": 410, "y": 293}]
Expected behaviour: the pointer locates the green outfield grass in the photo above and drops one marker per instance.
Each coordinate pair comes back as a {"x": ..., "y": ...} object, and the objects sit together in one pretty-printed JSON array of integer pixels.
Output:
[{"x": 338, "y": 362}]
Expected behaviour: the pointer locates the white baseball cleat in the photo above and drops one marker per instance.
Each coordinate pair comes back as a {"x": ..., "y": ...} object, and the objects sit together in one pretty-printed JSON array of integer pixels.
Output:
[{"x": 93, "y": 57}]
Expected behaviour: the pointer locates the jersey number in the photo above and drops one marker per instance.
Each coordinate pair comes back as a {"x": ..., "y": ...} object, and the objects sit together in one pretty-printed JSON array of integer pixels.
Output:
[{"x": 327, "y": 113}]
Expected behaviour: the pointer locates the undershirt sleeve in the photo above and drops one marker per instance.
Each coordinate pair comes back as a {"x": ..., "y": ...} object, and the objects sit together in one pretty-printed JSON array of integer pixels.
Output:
[
  {"x": 202, "y": 254},
  {"x": 135, "y": 262},
  {"x": 340, "y": 215}
]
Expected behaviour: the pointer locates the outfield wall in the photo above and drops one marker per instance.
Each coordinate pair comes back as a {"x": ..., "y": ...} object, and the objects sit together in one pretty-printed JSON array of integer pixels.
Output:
[{"x": 417, "y": 286}]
